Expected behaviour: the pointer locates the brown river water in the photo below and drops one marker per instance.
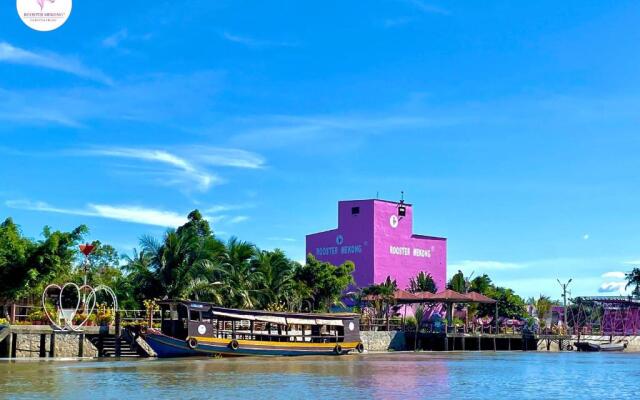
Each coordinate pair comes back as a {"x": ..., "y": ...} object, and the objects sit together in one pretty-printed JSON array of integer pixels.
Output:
[{"x": 515, "y": 375}]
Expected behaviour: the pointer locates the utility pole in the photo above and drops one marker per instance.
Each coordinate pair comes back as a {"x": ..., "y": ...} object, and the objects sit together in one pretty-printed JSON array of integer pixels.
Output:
[{"x": 564, "y": 299}]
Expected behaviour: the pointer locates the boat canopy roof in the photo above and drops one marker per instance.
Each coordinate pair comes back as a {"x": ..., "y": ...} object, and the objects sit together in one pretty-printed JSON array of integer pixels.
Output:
[{"x": 277, "y": 317}]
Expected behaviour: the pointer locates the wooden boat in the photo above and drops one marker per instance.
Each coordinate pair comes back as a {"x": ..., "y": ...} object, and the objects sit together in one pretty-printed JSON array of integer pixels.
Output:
[
  {"x": 590, "y": 346},
  {"x": 192, "y": 328}
]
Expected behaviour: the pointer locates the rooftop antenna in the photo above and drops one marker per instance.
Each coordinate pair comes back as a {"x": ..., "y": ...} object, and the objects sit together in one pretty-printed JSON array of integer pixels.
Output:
[
  {"x": 377, "y": 195},
  {"x": 402, "y": 209}
]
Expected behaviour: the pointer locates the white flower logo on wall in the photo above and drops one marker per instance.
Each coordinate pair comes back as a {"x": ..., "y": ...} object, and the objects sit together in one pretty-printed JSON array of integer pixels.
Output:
[{"x": 44, "y": 15}]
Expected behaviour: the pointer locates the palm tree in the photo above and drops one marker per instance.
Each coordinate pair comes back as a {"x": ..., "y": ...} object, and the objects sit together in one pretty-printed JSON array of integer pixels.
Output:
[
  {"x": 275, "y": 272},
  {"x": 422, "y": 283},
  {"x": 234, "y": 269},
  {"x": 633, "y": 279}
]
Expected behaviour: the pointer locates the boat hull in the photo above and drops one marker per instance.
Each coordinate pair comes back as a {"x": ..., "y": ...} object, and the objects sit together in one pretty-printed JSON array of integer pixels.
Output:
[
  {"x": 593, "y": 347},
  {"x": 166, "y": 346}
]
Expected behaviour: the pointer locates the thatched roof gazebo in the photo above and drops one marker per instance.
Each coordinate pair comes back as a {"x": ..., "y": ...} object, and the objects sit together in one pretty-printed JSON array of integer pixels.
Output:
[
  {"x": 480, "y": 298},
  {"x": 399, "y": 296},
  {"x": 450, "y": 297}
]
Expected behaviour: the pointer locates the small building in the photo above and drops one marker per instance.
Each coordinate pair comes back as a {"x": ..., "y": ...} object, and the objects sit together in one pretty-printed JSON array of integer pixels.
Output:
[{"x": 377, "y": 236}]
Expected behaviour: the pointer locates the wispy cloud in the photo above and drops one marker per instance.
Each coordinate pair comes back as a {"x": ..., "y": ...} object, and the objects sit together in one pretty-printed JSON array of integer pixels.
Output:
[
  {"x": 479, "y": 266},
  {"x": 225, "y": 157},
  {"x": 190, "y": 166},
  {"x": 126, "y": 213},
  {"x": 614, "y": 275},
  {"x": 255, "y": 43},
  {"x": 49, "y": 60},
  {"x": 115, "y": 39},
  {"x": 237, "y": 219},
  {"x": 148, "y": 98},
  {"x": 281, "y": 239},
  {"x": 291, "y": 130},
  {"x": 632, "y": 262},
  {"x": 614, "y": 282},
  {"x": 185, "y": 169},
  {"x": 395, "y": 22},
  {"x": 219, "y": 208},
  {"x": 427, "y": 7}
]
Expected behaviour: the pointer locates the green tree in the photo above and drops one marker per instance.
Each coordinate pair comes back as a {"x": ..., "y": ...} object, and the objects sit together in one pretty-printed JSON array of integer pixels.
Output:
[
  {"x": 382, "y": 295},
  {"x": 481, "y": 284},
  {"x": 14, "y": 251},
  {"x": 422, "y": 283},
  {"x": 326, "y": 282},
  {"x": 234, "y": 272},
  {"x": 633, "y": 279},
  {"x": 51, "y": 260},
  {"x": 187, "y": 254},
  {"x": 458, "y": 283},
  {"x": 275, "y": 272}
]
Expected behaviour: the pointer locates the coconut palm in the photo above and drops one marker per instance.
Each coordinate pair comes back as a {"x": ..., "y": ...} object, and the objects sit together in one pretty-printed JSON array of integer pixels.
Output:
[
  {"x": 275, "y": 273},
  {"x": 234, "y": 269},
  {"x": 633, "y": 279}
]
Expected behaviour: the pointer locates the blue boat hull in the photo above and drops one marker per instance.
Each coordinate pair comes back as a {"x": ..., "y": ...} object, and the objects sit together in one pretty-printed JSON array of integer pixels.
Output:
[{"x": 166, "y": 346}]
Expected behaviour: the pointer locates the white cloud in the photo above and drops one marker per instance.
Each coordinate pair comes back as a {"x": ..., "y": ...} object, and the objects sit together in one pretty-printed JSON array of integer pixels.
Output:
[
  {"x": 614, "y": 275},
  {"x": 291, "y": 130},
  {"x": 281, "y": 239},
  {"x": 611, "y": 287},
  {"x": 190, "y": 165},
  {"x": 428, "y": 8},
  {"x": 251, "y": 42},
  {"x": 395, "y": 22},
  {"x": 147, "y": 98},
  {"x": 482, "y": 265},
  {"x": 187, "y": 170},
  {"x": 224, "y": 157},
  {"x": 218, "y": 208},
  {"x": 126, "y": 213},
  {"x": 15, "y": 55},
  {"x": 238, "y": 219},
  {"x": 115, "y": 39}
]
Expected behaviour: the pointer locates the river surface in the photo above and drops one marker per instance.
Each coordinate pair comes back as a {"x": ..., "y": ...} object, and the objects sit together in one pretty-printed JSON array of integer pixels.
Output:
[{"x": 499, "y": 375}]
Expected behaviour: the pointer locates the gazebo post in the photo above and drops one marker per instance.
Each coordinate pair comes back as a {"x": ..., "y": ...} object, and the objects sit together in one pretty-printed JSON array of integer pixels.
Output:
[
  {"x": 496, "y": 317},
  {"x": 404, "y": 317}
]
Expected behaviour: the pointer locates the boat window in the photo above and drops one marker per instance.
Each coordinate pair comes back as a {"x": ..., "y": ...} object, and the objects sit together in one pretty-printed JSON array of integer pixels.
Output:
[
  {"x": 194, "y": 315},
  {"x": 173, "y": 312}
]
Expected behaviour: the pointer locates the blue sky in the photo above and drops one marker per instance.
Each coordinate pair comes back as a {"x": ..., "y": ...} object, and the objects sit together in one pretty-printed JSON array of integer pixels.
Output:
[{"x": 512, "y": 127}]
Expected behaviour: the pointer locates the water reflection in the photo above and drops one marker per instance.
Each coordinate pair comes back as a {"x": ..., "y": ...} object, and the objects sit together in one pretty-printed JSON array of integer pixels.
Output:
[{"x": 402, "y": 376}]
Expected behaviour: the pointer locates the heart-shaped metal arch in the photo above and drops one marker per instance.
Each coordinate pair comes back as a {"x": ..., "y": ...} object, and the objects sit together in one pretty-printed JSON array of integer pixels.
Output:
[{"x": 68, "y": 325}]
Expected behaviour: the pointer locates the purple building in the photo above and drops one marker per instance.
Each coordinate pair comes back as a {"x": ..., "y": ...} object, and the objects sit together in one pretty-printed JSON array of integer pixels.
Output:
[{"x": 377, "y": 235}]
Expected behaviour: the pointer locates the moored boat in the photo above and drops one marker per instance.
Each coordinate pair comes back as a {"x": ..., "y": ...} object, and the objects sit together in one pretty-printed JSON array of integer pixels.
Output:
[
  {"x": 192, "y": 328},
  {"x": 591, "y": 347}
]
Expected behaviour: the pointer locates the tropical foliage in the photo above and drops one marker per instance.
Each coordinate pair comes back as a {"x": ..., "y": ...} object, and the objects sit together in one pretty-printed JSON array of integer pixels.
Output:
[
  {"x": 382, "y": 297},
  {"x": 187, "y": 262},
  {"x": 510, "y": 305},
  {"x": 458, "y": 283},
  {"x": 633, "y": 279},
  {"x": 423, "y": 282}
]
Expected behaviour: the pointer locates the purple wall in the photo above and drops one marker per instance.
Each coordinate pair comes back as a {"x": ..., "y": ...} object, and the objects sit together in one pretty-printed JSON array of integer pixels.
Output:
[{"x": 380, "y": 244}]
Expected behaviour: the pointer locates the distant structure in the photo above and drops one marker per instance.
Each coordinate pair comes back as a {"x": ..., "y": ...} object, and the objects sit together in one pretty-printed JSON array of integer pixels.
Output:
[{"x": 377, "y": 235}]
